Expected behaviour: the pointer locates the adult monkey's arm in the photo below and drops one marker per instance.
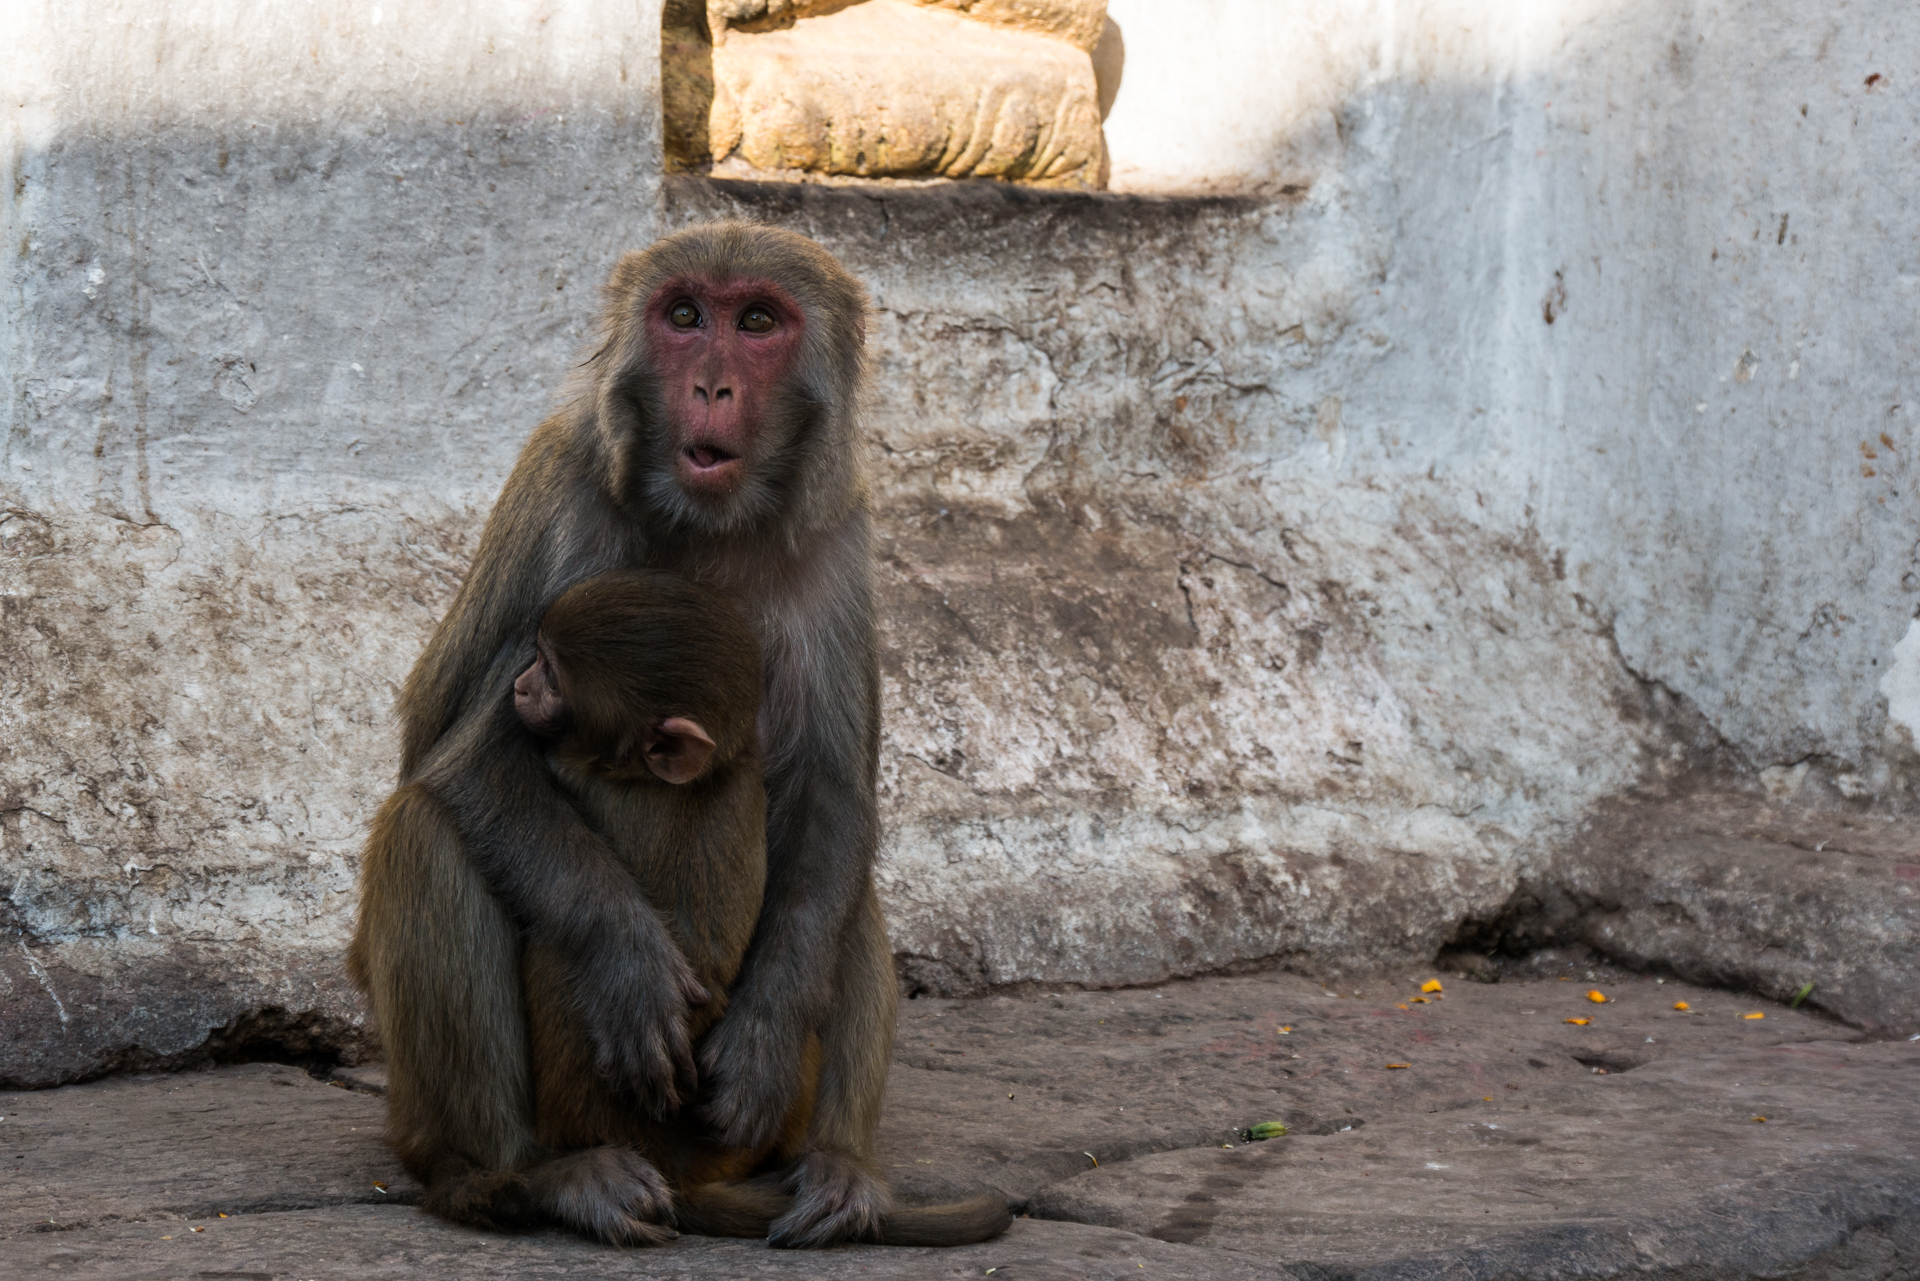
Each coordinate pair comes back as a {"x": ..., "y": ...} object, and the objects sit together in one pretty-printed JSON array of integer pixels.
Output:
[
  {"x": 567, "y": 889},
  {"x": 823, "y": 731}
]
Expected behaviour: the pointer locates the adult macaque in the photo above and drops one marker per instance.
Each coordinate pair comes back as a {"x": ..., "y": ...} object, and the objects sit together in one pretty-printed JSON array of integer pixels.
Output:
[{"x": 715, "y": 437}]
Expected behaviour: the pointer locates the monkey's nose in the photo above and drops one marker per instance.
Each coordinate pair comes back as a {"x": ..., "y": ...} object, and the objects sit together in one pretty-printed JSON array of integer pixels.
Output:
[{"x": 712, "y": 395}]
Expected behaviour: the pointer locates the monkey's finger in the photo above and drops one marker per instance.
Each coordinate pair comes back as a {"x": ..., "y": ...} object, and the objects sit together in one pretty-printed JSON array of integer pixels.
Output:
[
  {"x": 658, "y": 1077},
  {"x": 670, "y": 1059},
  {"x": 642, "y": 1069},
  {"x": 660, "y": 1095},
  {"x": 686, "y": 1071},
  {"x": 738, "y": 1122}
]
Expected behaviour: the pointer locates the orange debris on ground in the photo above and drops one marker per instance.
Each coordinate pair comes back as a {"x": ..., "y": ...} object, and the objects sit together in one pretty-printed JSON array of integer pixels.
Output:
[
  {"x": 1581, "y": 1022},
  {"x": 1432, "y": 985},
  {"x": 1597, "y": 997}
]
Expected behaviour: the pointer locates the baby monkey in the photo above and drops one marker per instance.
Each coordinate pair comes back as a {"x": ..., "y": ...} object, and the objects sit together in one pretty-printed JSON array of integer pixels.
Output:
[
  {"x": 642, "y": 703},
  {"x": 646, "y": 691}
]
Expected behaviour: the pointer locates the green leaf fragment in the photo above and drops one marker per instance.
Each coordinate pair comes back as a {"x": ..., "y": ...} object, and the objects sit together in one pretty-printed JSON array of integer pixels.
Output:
[
  {"x": 1800, "y": 996},
  {"x": 1264, "y": 1130}
]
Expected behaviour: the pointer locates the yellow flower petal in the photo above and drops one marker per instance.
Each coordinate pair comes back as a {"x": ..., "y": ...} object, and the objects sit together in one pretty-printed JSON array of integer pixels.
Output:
[
  {"x": 1581, "y": 1022},
  {"x": 1597, "y": 997},
  {"x": 1421, "y": 1000},
  {"x": 1681, "y": 1005},
  {"x": 1755, "y": 1015},
  {"x": 1432, "y": 985}
]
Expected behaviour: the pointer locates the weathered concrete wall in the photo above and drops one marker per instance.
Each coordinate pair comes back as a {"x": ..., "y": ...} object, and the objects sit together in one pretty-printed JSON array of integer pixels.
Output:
[
  {"x": 1275, "y": 573},
  {"x": 1643, "y": 282}
]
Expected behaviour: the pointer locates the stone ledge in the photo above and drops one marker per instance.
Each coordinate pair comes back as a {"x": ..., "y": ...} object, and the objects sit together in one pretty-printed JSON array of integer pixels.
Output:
[
  {"x": 1739, "y": 890},
  {"x": 89, "y": 1008}
]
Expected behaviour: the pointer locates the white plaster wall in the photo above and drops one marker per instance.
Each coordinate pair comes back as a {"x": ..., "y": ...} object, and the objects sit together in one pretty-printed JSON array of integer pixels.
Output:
[
  {"x": 1727, "y": 447},
  {"x": 1716, "y": 202}
]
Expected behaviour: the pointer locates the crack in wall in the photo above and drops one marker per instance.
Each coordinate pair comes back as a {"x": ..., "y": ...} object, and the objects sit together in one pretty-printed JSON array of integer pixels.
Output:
[{"x": 46, "y": 981}]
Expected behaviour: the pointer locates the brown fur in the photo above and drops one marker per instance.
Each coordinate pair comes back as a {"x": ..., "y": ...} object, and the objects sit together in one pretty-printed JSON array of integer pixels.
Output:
[{"x": 489, "y": 861}]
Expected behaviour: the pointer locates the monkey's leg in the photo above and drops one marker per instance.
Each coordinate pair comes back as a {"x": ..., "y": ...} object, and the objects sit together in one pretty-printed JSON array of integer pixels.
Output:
[
  {"x": 440, "y": 961},
  {"x": 597, "y": 1184},
  {"x": 838, "y": 1196}
]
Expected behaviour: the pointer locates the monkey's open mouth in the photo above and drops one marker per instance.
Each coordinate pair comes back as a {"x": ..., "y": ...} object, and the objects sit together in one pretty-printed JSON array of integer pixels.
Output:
[{"x": 707, "y": 457}]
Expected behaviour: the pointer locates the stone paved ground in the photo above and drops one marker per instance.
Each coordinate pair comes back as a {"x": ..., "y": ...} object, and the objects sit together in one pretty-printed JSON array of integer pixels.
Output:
[{"x": 1513, "y": 1144}]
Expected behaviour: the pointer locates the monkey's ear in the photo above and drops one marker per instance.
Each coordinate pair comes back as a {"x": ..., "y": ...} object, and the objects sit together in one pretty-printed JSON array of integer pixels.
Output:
[
  {"x": 536, "y": 696},
  {"x": 678, "y": 750}
]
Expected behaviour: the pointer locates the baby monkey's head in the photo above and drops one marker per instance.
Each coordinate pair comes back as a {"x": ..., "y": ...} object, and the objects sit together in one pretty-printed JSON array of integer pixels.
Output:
[{"x": 643, "y": 670}]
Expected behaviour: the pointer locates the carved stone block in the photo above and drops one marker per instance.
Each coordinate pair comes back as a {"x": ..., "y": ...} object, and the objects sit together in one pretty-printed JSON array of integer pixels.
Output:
[{"x": 887, "y": 88}]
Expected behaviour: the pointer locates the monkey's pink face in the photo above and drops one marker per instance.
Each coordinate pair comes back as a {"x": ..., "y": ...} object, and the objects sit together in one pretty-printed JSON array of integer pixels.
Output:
[{"x": 722, "y": 348}]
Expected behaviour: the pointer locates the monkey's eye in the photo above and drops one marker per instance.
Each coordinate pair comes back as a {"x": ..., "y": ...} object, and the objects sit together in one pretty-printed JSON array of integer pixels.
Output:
[
  {"x": 684, "y": 315},
  {"x": 756, "y": 320}
]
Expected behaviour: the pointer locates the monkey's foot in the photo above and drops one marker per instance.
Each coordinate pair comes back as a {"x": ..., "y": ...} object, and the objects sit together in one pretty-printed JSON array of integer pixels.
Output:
[
  {"x": 492, "y": 1200},
  {"x": 611, "y": 1193},
  {"x": 835, "y": 1198}
]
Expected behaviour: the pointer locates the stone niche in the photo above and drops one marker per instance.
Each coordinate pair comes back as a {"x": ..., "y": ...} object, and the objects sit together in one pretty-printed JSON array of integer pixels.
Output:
[{"x": 1003, "y": 89}]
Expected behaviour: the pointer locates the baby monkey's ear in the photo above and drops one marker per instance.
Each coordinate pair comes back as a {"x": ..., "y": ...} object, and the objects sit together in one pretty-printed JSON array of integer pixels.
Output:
[{"x": 678, "y": 750}]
